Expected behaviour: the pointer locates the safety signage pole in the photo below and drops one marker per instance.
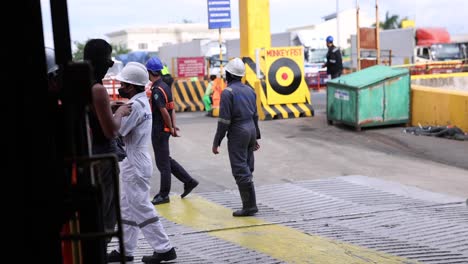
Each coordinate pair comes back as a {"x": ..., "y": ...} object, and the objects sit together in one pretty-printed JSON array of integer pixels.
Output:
[
  {"x": 219, "y": 16},
  {"x": 220, "y": 53}
]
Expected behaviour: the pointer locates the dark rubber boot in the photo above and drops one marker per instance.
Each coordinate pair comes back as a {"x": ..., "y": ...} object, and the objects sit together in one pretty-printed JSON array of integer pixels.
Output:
[{"x": 249, "y": 203}]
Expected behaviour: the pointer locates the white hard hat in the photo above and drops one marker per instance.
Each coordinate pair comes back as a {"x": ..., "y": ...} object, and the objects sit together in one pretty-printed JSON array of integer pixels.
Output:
[
  {"x": 134, "y": 73},
  {"x": 236, "y": 67}
]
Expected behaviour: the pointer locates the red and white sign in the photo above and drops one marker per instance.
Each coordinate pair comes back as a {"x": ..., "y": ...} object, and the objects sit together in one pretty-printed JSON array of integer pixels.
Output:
[{"x": 191, "y": 67}]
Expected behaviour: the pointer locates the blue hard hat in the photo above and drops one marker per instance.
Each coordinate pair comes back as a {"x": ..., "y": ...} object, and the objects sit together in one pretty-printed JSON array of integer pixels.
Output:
[
  {"x": 329, "y": 39},
  {"x": 154, "y": 64}
]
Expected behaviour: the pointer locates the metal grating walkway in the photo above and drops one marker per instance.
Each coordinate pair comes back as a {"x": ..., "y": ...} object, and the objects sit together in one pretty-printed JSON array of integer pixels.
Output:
[{"x": 412, "y": 224}]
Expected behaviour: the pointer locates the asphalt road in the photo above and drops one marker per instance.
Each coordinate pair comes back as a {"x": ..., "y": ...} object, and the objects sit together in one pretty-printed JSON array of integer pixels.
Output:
[{"x": 307, "y": 149}]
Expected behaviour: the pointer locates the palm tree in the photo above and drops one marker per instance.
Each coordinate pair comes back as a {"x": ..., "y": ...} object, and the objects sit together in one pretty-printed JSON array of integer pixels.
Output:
[{"x": 390, "y": 22}]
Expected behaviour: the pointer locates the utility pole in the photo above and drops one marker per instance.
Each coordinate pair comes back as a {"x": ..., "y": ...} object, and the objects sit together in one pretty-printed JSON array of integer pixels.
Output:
[
  {"x": 377, "y": 34},
  {"x": 358, "y": 40},
  {"x": 337, "y": 23}
]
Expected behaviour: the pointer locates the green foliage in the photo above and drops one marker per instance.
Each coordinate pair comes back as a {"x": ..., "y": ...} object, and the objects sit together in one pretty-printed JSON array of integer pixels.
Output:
[
  {"x": 391, "y": 22},
  {"x": 78, "y": 54},
  {"x": 116, "y": 50}
]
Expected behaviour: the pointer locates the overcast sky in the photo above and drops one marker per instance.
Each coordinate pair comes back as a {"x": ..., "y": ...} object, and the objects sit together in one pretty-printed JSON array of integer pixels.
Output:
[{"x": 94, "y": 18}]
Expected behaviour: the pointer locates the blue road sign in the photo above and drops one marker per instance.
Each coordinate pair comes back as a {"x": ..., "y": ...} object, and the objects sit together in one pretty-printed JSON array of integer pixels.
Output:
[{"x": 219, "y": 14}]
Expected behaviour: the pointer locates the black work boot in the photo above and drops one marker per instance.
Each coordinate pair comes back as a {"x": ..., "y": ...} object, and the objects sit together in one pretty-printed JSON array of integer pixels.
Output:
[
  {"x": 159, "y": 199},
  {"x": 188, "y": 187},
  {"x": 158, "y": 257},
  {"x": 115, "y": 256},
  {"x": 249, "y": 203}
]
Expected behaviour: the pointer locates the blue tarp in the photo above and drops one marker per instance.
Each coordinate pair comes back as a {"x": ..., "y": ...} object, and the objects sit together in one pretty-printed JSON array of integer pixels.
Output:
[
  {"x": 138, "y": 56},
  {"x": 123, "y": 58}
]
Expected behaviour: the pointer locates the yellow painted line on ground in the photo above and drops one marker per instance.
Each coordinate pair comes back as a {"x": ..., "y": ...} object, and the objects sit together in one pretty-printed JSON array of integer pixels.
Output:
[
  {"x": 439, "y": 76},
  {"x": 280, "y": 242}
]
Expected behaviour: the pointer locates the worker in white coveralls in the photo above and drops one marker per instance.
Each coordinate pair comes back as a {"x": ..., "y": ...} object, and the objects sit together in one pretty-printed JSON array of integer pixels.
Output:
[{"x": 136, "y": 169}]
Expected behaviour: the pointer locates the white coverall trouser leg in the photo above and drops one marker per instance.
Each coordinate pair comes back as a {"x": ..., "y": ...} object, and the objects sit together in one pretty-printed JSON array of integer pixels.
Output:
[{"x": 136, "y": 208}]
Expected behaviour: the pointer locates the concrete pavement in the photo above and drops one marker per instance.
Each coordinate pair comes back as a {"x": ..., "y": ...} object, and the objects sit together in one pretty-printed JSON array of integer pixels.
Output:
[{"x": 326, "y": 194}]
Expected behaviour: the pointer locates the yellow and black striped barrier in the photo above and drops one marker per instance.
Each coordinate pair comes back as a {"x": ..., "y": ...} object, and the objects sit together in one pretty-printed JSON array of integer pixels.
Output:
[
  {"x": 273, "y": 111},
  {"x": 188, "y": 95},
  {"x": 280, "y": 111}
]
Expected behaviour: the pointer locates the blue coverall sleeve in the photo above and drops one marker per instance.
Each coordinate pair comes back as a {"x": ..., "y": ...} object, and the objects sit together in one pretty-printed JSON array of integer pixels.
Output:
[
  {"x": 339, "y": 60},
  {"x": 255, "y": 119},
  {"x": 224, "y": 120}
]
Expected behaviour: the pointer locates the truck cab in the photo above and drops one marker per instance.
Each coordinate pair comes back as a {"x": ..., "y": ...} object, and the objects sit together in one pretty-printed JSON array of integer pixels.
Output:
[
  {"x": 433, "y": 44},
  {"x": 438, "y": 52}
]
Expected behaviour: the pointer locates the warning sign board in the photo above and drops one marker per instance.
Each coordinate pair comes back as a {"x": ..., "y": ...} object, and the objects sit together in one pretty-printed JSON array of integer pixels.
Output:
[
  {"x": 285, "y": 75},
  {"x": 191, "y": 67}
]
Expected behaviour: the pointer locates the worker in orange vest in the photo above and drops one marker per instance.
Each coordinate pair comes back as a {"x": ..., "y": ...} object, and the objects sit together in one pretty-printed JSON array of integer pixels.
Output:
[{"x": 218, "y": 87}]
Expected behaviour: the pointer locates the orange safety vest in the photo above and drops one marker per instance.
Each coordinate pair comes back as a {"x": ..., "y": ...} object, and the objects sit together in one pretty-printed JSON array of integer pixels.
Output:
[
  {"x": 218, "y": 87},
  {"x": 169, "y": 106}
]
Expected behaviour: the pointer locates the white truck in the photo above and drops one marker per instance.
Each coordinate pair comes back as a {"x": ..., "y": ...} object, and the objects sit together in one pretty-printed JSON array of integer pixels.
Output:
[{"x": 434, "y": 44}]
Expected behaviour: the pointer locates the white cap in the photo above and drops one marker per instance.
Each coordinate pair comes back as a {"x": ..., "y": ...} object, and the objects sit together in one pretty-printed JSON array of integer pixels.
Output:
[
  {"x": 236, "y": 67},
  {"x": 134, "y": 73}
]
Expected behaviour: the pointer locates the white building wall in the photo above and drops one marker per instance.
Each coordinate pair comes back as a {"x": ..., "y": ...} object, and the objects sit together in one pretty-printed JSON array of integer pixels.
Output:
[
  {"x": 347, "y": 26},
  {"x": 151, "y": 38},
  {"x": 121, "y": 40}
]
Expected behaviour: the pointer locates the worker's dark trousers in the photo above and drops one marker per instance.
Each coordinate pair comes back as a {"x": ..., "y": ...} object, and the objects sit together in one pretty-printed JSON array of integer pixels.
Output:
[
  {"x": 166, "y": 165},
  {"x": 241, "y": 143},
  {"x": 110, "y": 214},
  {"x": 106, "y": 172},
  {"x": 335, "y": 75}
]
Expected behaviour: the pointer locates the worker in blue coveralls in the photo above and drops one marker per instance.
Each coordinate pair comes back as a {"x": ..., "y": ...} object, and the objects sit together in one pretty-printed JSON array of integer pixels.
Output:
[{"x": 238, "y": 117}]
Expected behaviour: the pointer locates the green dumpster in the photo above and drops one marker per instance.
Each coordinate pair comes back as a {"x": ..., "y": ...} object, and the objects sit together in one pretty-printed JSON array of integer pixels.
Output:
[{"x": 378, "y": 95}]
